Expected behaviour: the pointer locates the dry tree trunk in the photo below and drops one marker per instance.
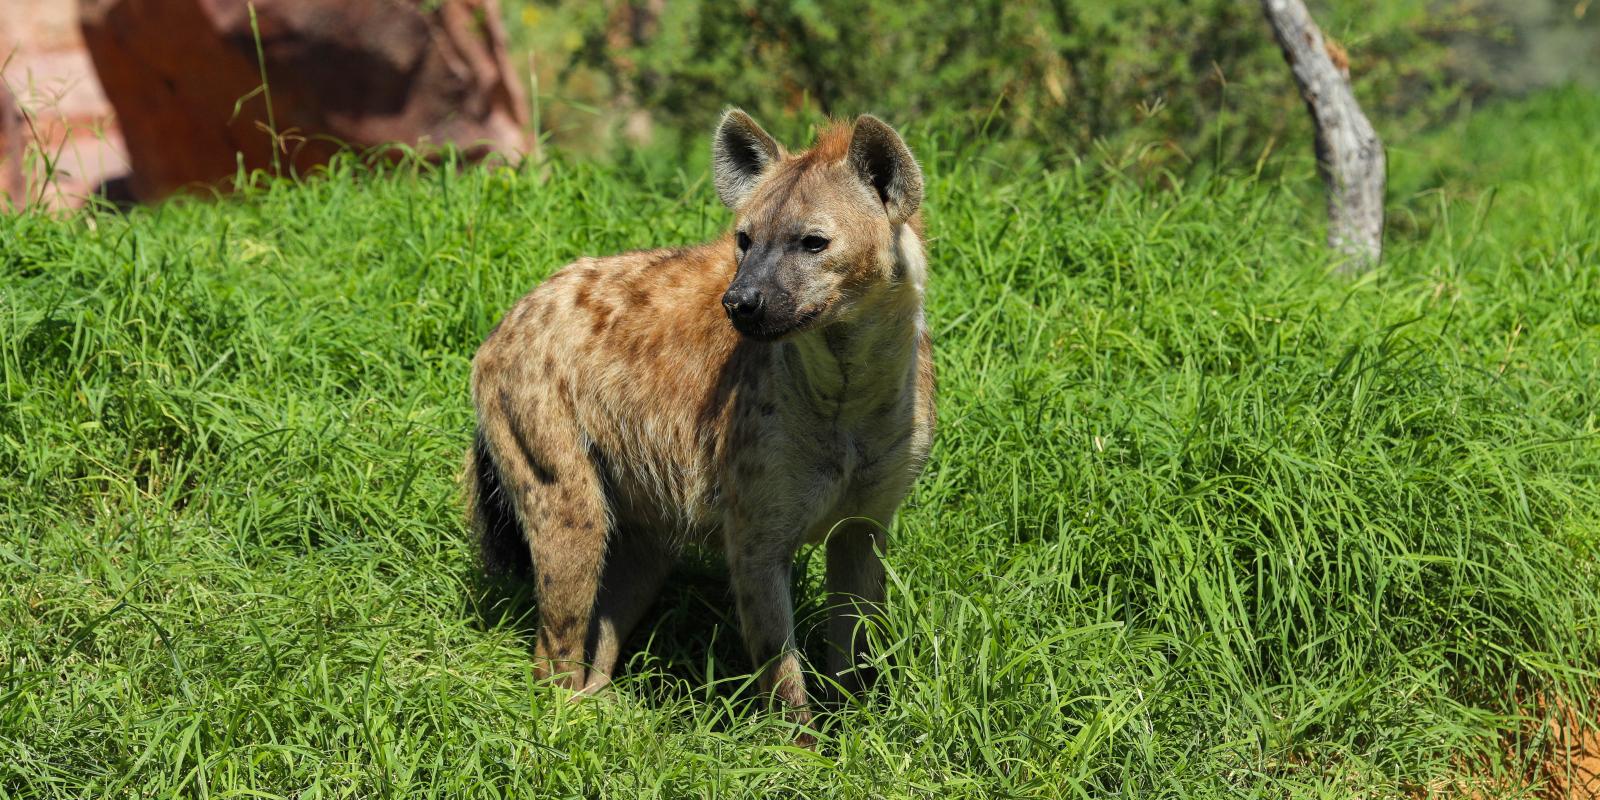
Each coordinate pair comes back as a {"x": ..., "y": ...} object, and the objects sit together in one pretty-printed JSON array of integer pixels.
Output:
[{"x": 1350, "y": 156}]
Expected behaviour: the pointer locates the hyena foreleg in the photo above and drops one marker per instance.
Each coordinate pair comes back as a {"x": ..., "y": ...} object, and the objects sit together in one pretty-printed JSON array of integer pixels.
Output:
[
  {"x": 760, "y": 564},
  {"x": 855, "y": 585}
]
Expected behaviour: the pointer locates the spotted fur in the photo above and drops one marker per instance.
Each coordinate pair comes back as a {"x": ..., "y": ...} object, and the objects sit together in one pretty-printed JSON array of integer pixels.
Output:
[{"x": 621, "y": 416}]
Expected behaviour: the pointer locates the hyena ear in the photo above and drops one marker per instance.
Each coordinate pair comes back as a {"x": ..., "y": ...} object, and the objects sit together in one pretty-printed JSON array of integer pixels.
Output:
[
  {"x": 740, "y": 152},
  {"x": 880, "y": 157}
]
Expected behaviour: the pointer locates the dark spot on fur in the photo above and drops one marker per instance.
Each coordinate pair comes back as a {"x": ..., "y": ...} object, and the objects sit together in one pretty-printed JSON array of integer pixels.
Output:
[
  {"x": 508, "y": 407},
  {"x": 559, "y": 628},
  {"x": 638, "y": 298},
  {"x": 541, "y": 472},
  {"x": 602, "y": 322},
  {"x": 581, "y": 298},
  {"x": 546, "y": 581},
  {"x": 768, "y": 409},
  {"x": 549, "y": 364}
]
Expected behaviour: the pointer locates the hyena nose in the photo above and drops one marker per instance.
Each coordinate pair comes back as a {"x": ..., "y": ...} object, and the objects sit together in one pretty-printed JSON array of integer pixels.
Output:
[{"x": 744, "y": 304}]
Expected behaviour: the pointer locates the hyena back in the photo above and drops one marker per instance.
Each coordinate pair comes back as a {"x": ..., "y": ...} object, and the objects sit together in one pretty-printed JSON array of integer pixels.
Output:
[{"x": 768, "y": 389}]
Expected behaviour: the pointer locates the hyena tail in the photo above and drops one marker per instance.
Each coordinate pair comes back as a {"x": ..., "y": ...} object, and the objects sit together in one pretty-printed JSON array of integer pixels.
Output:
[{"x": 501, "y": 544}]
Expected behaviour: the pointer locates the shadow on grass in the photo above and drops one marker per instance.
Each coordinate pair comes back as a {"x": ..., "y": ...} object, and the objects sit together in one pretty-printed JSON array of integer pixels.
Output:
[{"x": 688, "y": 642}]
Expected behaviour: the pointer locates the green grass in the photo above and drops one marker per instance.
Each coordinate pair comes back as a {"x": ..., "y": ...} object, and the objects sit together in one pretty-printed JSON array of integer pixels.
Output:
[{"x": 1203, "y": 519}]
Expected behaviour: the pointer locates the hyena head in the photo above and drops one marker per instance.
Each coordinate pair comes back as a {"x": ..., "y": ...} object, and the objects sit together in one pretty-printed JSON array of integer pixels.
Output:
[{"x": 819, "y": 234}]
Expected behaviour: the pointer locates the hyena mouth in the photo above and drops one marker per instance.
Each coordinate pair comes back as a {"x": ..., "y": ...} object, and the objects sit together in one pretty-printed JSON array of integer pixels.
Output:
[{"x": 772, "y": 333}]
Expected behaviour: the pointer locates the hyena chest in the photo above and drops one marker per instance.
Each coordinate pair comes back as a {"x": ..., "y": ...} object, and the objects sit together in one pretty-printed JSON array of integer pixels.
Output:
[{"x": 820, "y": 469}]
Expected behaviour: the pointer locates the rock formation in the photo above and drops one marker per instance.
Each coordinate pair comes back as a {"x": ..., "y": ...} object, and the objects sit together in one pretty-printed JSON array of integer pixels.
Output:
[{"x": 186, "y": 79}]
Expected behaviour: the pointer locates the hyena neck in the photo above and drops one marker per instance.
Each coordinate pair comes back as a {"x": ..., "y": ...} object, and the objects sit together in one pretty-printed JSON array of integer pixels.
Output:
[{"x": 855, "y": 368}]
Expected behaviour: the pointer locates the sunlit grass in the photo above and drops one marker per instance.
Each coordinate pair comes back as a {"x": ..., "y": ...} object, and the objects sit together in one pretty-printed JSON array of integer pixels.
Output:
[{"x": 1203, "y": 519}]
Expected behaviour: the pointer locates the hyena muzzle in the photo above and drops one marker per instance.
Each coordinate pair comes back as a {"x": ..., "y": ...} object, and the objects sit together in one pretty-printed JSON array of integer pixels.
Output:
[{"x": 769, "y": 389}]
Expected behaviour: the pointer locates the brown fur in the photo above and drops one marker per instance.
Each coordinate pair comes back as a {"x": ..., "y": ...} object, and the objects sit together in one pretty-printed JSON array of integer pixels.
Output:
[{"x": 621, "y": 416}]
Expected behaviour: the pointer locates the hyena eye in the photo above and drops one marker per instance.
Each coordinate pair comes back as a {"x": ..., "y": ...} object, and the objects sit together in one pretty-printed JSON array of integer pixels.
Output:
[
  {"x": 744, "y": 241},
  {"x": 814, "y": 244}
]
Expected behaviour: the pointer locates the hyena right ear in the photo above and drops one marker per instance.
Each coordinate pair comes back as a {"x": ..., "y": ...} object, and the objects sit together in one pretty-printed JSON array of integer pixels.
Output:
[
  {"x": 740, "y": 152},
  {"x": 881, "y": 159}
]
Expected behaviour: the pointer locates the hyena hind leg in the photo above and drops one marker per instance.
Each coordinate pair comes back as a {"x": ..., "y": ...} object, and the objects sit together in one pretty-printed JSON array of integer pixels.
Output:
[{"x": 556, "y": 491}]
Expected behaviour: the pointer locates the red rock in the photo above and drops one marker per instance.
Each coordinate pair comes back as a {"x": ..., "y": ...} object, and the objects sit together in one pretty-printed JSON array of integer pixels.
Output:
[
  {"x": 185, "y": 80},
  {"x": 46, "y": 67}
]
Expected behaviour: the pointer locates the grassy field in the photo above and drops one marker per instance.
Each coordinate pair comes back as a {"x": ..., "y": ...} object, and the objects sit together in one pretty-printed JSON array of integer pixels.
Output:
[{"x": 1202, "y": 520}]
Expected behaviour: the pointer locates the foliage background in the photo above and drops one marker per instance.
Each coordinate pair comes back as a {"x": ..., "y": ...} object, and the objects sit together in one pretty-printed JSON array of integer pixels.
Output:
[{"x": 1159, "y": 84}]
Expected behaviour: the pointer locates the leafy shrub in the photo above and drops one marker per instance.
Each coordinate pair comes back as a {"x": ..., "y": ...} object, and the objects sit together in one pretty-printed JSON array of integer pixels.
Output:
[{"x": 1158, "y": 83}]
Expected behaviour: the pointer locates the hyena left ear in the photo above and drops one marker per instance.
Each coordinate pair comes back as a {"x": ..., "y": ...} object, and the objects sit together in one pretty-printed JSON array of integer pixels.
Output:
[
  {"x": 740, "y": 152},
  {"x": 880, "y": 157}
]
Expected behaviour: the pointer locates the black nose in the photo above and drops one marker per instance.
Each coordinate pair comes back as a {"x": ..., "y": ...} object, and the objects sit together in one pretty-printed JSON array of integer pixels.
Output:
[{"x": 744, "y": 304}]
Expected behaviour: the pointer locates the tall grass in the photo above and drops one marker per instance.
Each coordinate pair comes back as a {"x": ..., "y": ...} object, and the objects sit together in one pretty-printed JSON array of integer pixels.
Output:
[{"x": 1203, "y": 520}]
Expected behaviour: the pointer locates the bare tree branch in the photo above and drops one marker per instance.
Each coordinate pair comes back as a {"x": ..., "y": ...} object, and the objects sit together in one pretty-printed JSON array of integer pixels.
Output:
[{"x": 1350, "y": 156}]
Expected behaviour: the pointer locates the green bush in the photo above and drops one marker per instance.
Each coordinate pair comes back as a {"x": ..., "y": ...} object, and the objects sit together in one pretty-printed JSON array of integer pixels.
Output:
[{"x": 1155, "y": 83}]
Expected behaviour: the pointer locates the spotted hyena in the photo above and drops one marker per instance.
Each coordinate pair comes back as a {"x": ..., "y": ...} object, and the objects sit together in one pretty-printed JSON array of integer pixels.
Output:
[{"x": 765, "y": 390}]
